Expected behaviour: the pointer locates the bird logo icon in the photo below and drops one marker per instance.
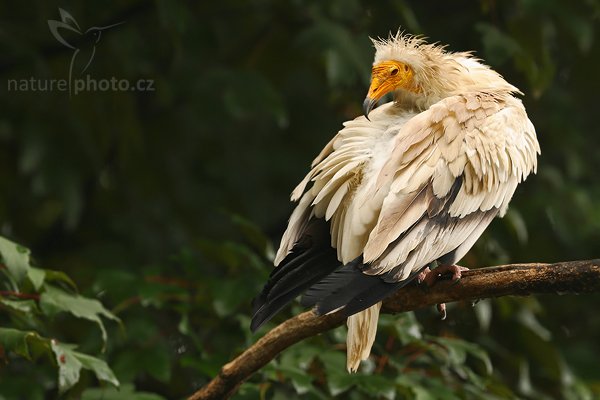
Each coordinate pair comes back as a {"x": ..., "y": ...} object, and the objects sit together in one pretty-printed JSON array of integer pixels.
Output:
[{"x": 83, "y": 43}]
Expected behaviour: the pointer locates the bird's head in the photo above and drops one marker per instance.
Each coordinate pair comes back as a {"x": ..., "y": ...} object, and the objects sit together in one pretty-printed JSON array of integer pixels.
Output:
[
  {"x": 420, "y": 74},
  {"x": 94, "y": 34}
]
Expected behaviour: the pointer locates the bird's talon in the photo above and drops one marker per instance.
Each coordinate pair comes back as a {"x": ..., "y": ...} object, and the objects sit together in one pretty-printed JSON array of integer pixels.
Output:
[
  {"x": 442, "y": 310},
  {"x": 422, "y": 275},
  {"x": 430, "y": 277},
  {"x": 456, "y": 271}
]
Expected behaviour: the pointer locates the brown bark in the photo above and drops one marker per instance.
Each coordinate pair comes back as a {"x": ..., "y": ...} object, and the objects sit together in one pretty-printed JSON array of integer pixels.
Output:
[{"x": 516, "y": 279}]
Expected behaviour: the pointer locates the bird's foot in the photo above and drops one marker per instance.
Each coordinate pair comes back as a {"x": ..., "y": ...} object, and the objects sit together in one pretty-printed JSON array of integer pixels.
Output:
[
  {"x": 423, "y": 274},
  {"x": 430, "y": 277}
]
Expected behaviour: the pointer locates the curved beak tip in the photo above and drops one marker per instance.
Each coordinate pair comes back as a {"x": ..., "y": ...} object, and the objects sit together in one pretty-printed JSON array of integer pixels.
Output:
[{"x": 368, "y": 105}]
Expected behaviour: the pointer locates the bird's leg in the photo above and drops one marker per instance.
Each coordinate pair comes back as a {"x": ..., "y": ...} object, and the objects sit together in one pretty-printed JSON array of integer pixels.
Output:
[{"x": 430, "y": 277}]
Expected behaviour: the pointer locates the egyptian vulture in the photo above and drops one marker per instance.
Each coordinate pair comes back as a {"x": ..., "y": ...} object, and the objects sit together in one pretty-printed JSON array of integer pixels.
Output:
[{"x": 412, "y": 183}]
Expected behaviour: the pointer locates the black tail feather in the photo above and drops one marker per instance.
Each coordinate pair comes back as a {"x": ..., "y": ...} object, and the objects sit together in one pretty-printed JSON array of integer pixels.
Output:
[
  {"x": 350, "y": 288},
  {"x": 337, "y": 289},
  {"x": 339, "y": 278},
  {"x": 302, "y": 271},
  {"x": 376, "y": 293},
  {"x": 288, "y": 265},
  {"x": 310, "y": 261}
]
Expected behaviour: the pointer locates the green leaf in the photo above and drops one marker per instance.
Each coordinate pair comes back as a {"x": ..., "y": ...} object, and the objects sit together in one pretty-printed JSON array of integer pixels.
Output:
[
  {"x": 30, "y": 345},
  {"x": 426, "y": 387},
  {"x": 27, "y": 344},
  {"x": 37, "y": 277},
  {"x": 338, "y": 379},
  {"x": 15, "y": 340},
  {"x": 126, "y": 392},
  {"x": 301, "y": 381},
  {"x": 481, "y": 355},
  {"x": 423, "y": 394},
  {"x": 98, "y": 366},
  {"x": 457, "y": 354},
  {"x": 406, "y": 326},
  {"x": 300, "y": 355},
  {"x": 70, "y": 363},
  {"x": 294, "y": 363},
  {"x": 24, "y": 306},
  {"x": 339, "y": 382},
  {"x": 250, "y": 391},
  {"x": 49, "y": 275},
  {"x": 458, "y": 350},
  {"x": 55, "y": 300},
  {"x": 377, "y": 385},
  {"x": 16, "y": 258},
  {"x": 69, "y": 367}
]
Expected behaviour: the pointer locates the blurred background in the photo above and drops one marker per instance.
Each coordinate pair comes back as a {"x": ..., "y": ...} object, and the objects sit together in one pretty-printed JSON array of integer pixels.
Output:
[{"x": 165, "y": 204}]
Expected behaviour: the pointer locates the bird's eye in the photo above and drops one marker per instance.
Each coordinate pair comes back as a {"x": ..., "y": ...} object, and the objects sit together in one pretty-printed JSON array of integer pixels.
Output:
[{"x": 394, "y": 71}]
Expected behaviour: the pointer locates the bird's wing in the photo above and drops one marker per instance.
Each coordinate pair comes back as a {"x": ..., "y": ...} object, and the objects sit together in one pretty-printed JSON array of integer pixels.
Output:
[
  {"x": 335, "y": 175},
  {"x": 452, "y": 169}
]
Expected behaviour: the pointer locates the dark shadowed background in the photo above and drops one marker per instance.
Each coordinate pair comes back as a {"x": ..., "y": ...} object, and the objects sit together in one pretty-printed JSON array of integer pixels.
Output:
[{"x": 165, "y": 204}]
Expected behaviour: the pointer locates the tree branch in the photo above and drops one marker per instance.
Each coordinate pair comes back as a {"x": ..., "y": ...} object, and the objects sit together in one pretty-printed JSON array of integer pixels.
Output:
[{"x": 517, "y": 279}]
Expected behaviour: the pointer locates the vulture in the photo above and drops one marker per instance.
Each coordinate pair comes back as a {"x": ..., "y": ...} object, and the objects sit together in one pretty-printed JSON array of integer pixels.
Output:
[{"x": 409, "y": 185}]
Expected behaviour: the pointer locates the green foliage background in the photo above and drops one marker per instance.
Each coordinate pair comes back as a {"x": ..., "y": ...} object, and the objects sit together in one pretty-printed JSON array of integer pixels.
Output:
[{"x": 165, "y": 205}]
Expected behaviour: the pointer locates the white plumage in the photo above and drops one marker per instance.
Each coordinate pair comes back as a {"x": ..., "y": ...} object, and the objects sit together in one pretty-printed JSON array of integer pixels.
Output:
[{"x": 415, "y": 182}]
